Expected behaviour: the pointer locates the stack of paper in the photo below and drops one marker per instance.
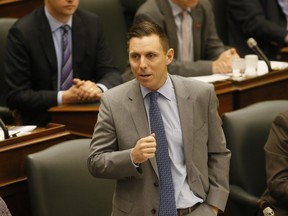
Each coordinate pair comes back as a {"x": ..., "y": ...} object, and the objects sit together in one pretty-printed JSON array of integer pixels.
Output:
[{"x": 18, "y": 131}]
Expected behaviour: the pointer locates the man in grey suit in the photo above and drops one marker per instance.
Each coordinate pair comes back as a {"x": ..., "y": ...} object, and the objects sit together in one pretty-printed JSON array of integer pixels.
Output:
[
  {"x": 124, "y": 148},
  {"x": 209, "y": 53}
]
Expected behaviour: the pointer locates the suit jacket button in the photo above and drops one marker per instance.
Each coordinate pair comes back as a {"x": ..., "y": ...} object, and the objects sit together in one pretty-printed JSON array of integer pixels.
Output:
[
  {"x": 156, "y": 184},
  {"x": 153, "y": 211}
]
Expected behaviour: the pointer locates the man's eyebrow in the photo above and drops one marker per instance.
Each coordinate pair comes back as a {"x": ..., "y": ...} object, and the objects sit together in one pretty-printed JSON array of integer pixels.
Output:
[
  {"x": 133, "y": 52},
  {"x": 144, "y": 53}
]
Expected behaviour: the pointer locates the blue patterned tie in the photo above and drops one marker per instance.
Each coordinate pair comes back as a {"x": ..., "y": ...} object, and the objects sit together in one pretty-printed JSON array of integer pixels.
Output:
[
  {"x": 67, "y": 71},
  {"x": 167, "y": 197}
]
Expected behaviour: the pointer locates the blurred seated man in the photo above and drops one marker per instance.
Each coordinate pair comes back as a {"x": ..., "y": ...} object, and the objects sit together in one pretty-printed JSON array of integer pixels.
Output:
[
  {"x": 265, "y": 21},
  {"x": 56, "y": 55},
  {"x": 191, "y": 31},
  {"x": 276, "y": 156}
]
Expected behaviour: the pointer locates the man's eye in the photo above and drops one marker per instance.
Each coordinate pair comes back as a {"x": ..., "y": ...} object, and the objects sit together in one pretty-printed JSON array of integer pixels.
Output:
[
  {"x": 151, "y": 55},
  {"x": 134, "y": 56}
]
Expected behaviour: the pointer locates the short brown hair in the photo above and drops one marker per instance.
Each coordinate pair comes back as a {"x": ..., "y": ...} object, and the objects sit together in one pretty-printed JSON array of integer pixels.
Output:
[{"x": 146, "y": 28}]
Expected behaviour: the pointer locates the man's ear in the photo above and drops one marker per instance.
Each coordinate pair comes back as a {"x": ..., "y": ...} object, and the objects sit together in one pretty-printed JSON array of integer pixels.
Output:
[{"x": 169, "y": 56}]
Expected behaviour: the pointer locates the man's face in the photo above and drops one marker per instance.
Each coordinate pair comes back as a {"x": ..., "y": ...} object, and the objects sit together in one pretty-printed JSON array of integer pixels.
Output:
[
  {"x": 186, "y": 3},
  {"x": 149, "y": 61},
  {"x": 61, "y": 9}
]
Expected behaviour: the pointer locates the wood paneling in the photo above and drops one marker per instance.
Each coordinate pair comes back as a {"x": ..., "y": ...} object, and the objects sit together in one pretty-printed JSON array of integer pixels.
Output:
[
  {"x": 17, "y": 8},
  {"x": 13, "y": 152}
]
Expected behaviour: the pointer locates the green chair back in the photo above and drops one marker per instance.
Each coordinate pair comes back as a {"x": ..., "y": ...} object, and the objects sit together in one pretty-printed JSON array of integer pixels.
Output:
[{"x": 60, "y": 184}]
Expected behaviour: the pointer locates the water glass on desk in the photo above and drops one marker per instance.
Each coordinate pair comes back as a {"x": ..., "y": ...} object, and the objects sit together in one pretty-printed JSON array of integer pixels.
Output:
[
  {"x": 251, "y": 62},
  {"x": 238, "y": 67}
]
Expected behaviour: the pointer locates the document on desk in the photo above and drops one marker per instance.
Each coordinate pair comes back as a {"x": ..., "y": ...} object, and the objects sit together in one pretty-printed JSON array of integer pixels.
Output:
[
  {"x": 261, "y": 70},
  {"x": 275, "y": 65},
  {"x": 16, "y": 131},
  {"x": 212, "y": 78}
]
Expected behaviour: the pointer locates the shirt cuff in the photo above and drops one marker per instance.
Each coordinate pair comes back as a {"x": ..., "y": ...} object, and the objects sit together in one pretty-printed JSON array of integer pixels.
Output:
[
  {"x": 102, "y": 87},
  {"x": 59, "y": 97},
  {"x": 135, "y": 165}
]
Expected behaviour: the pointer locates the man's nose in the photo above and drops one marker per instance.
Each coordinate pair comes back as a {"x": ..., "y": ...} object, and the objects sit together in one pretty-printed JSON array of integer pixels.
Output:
[{"x": 143, "y": 63}]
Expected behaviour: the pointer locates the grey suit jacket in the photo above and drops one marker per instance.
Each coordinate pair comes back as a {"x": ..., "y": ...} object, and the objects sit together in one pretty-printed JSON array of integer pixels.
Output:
[
  {"x": 122, "y": 121},
  {"x": 207, "y": 45}
]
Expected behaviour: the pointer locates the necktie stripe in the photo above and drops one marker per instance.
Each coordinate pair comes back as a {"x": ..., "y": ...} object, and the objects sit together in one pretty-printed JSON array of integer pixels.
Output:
[
  {"x": 186, "y": 32},
  {"x": 67, "y": 70}
]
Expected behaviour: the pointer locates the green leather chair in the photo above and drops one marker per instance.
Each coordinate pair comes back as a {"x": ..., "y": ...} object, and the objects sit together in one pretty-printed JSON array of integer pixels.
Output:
[
  {"x": 246, "y": 131},
  {"x": 61, "y": 185},
  {"x": 5, "y": 24},
  {"x": 111, "y": 14}
]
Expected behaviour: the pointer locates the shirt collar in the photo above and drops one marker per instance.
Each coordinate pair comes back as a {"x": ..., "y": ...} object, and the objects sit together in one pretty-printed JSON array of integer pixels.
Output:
[
  {"x": 55, "y": 24},
  {"x": 166, "y": 90},
  {"x": 176, "y": 10}
]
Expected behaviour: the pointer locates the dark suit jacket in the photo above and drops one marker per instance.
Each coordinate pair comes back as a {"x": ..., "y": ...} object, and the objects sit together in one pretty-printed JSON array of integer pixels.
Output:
[
  {"x": 276, "y": 156},
  {"x": 207, "y": 45},
  {"x": 261, "y": 19},
  {"x": 31, "y": 64},
  {"x": 122, "y": 121}
]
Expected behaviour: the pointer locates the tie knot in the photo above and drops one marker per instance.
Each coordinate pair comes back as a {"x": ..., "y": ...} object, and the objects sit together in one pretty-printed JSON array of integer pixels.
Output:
[
  {"x": 154, "y": 95},
  {"x": 65, "y": 28},
  {"x": 184, "y": 14}
]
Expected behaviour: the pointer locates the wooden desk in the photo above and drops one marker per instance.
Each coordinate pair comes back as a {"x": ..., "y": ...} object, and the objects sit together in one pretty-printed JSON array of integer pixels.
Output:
[
  {"x": 225, "y": 93},
  {"x": 271, "y": 86},
  {"x": 13, "y": 152},
  {"x": 79, "y": 119}
]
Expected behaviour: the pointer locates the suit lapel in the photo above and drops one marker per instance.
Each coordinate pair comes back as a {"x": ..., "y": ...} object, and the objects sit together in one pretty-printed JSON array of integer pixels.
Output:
[
  {"x": 170, "y": 25},
  {"x": 185, "y": 108},
  {"x": 137, "y": 110},
  {"x": 79, "y": 33},
  {"x": 138, "y": 113},
  {"x": 47, "y": 44}
]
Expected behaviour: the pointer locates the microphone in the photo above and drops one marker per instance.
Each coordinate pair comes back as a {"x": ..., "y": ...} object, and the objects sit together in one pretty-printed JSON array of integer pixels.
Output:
[
  {"x": 5, "y": 130},
  {"x": 253, "y": 45}
]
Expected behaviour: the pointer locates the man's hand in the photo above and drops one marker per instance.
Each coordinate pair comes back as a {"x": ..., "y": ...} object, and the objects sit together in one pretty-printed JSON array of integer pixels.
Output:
[
  {"x": 81, "y": 92},
  {"x": 224, "y": 62},
  {"x": 70, "y": 95},
  {"x": 87, "y": 91},
  {"x": 144, "y": 149},
  {"x": 214, "y": 209}
]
